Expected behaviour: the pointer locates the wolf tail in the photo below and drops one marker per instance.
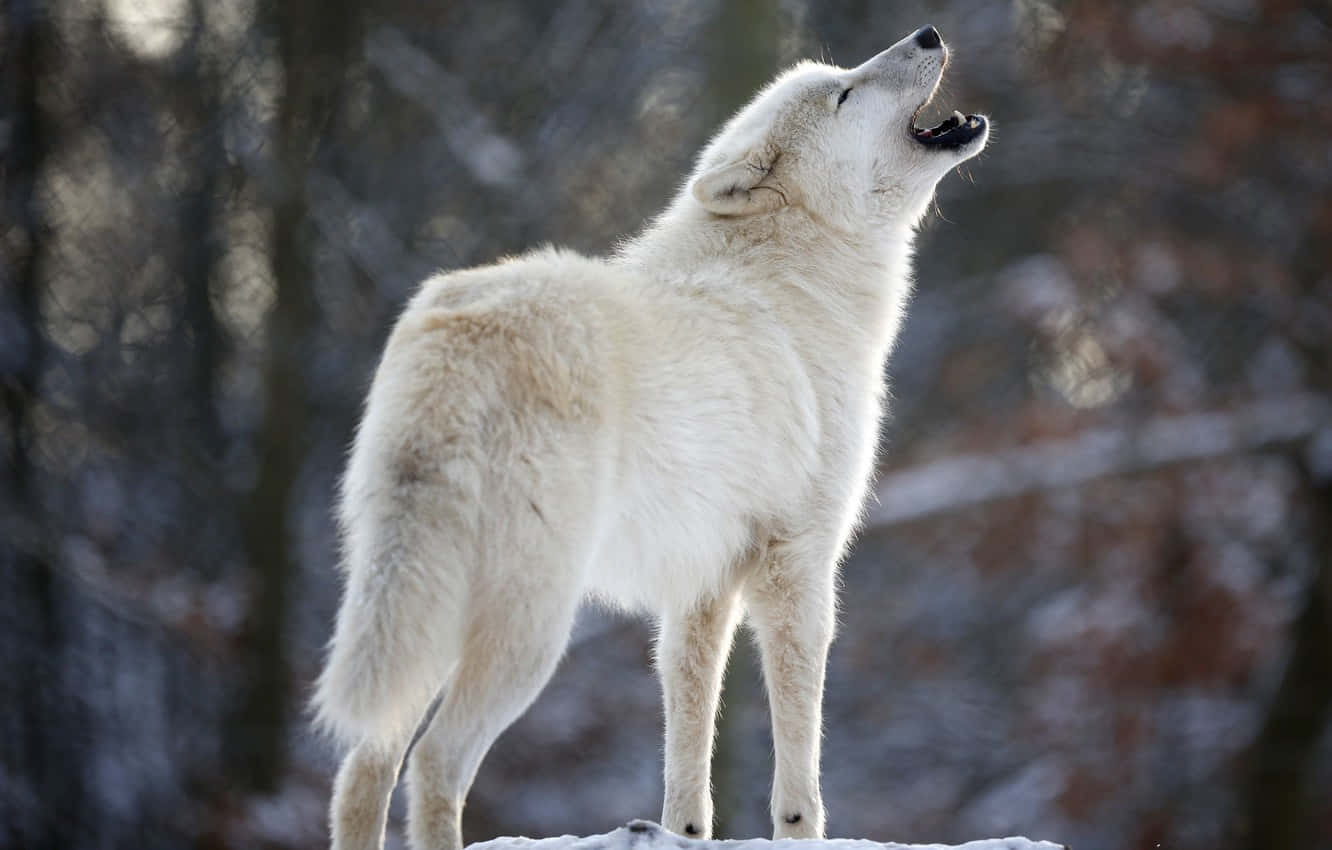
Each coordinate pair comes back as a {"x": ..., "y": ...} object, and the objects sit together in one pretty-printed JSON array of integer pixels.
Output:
[{"x": 398, "y": 632}]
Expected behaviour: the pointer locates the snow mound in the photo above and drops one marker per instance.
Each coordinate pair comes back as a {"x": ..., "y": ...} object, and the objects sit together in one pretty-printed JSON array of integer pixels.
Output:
[{"x": 645, "y": 835}]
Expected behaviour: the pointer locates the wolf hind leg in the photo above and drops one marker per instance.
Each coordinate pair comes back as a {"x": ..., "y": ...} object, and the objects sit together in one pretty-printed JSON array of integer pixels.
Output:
[
  {"x": 518, "y": 627},
  {"x": 361, "y": 795}
]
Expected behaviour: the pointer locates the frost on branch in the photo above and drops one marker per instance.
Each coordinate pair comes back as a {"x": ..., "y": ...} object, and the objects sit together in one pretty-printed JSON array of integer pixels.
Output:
[{"x": 645, "y": 835}]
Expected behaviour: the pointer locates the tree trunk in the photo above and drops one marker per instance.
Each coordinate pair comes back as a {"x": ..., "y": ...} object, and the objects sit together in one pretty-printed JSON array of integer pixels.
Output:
[
  {"x": 38, "y": 759},
  {"x": 316, "y": 42},
  {"x": 199, "y": 103},
  {"x": 1302, "y": 705}
]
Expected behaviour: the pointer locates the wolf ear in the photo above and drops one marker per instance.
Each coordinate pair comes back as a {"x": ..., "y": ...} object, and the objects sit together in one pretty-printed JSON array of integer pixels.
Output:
[{"x": 740, "y": 187}]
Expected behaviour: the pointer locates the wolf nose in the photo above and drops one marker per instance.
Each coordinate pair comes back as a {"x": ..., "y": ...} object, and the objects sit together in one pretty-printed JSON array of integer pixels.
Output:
[{"x": 928, "y": 38}]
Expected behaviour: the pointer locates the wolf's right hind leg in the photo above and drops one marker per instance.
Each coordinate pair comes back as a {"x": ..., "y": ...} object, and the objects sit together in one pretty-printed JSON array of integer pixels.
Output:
[
  {"x": 508, "y": 656},
  {"x": 361, "y": 796}
]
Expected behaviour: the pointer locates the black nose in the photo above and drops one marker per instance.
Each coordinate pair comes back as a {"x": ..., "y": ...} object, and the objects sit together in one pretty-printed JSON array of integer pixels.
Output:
[{"x": 928, "y": 38}]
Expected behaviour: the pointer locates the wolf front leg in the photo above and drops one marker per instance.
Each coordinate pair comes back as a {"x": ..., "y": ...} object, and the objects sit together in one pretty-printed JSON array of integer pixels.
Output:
[
  {"x": 692, "y": 648},
  {"x": 792, "y": 610}
]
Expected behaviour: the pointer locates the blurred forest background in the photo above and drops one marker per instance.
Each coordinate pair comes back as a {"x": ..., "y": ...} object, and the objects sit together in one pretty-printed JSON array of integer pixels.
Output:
[{"x": 1093, "y": 601}]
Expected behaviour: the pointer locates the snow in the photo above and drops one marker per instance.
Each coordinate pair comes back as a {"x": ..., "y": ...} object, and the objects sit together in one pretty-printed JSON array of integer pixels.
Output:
[{"x": 645, "y": 835}]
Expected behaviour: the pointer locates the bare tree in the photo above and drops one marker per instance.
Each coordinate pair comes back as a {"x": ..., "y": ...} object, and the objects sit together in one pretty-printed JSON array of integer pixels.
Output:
[
  {"x": 317, "y": 41},
  {"x": 37, "y": 755}
]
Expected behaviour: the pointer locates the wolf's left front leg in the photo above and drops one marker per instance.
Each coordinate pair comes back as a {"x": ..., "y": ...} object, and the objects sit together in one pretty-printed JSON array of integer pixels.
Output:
[
  {"x": 792, "y": 609},
  {"x": 692, "y": 647}
]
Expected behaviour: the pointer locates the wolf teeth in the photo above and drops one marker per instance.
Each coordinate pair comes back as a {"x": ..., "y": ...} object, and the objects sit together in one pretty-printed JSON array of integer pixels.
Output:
[{"x": 961, "y": 119}]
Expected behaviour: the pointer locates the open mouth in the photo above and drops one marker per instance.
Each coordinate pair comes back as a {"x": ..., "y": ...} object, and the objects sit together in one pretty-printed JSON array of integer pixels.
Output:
[{"x": 955, "y": 131}]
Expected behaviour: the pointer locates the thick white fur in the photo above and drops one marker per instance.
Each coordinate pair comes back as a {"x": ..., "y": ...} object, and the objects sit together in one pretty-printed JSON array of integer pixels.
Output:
[{"x": 685, "y": 429}]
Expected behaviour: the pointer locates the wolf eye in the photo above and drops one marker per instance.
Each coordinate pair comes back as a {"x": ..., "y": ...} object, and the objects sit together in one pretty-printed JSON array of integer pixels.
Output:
[{"x": 842, "y": 99}]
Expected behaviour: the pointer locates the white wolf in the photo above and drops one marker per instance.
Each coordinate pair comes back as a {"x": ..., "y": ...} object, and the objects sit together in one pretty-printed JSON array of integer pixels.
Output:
[{"x": 686, "y": 428}]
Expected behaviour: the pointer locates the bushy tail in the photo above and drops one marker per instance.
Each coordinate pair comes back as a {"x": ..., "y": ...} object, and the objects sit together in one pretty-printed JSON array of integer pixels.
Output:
[{"x": 398, "y": 630}]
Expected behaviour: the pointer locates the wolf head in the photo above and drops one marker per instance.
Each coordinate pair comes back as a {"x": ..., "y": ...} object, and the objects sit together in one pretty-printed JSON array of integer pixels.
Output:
[{"x": 841, "y": 143}]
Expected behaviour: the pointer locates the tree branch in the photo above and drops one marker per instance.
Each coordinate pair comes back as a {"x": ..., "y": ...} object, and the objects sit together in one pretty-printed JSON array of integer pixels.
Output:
[{"x": 949, "y": 484}]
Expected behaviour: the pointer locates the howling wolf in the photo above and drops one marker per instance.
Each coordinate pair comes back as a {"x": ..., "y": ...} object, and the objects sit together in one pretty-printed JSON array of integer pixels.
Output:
[{"x": 686, "y": 429}]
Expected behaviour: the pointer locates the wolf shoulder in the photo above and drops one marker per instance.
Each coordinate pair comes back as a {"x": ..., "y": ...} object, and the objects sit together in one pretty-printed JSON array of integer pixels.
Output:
[{"x": 598, "y": 322}]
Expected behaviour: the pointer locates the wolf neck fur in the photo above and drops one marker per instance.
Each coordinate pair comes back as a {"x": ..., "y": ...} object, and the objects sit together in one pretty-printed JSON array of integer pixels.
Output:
[{"x": 858, "y": 282}]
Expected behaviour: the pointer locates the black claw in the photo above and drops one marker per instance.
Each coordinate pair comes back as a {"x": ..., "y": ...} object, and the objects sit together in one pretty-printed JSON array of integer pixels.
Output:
[
  {"x": 690, "y": 829},
  {"x": 795, "y": 818}
]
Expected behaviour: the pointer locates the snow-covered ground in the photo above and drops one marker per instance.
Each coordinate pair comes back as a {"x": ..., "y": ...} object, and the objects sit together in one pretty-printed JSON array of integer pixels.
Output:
[{"x": 645, "y": 835}]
